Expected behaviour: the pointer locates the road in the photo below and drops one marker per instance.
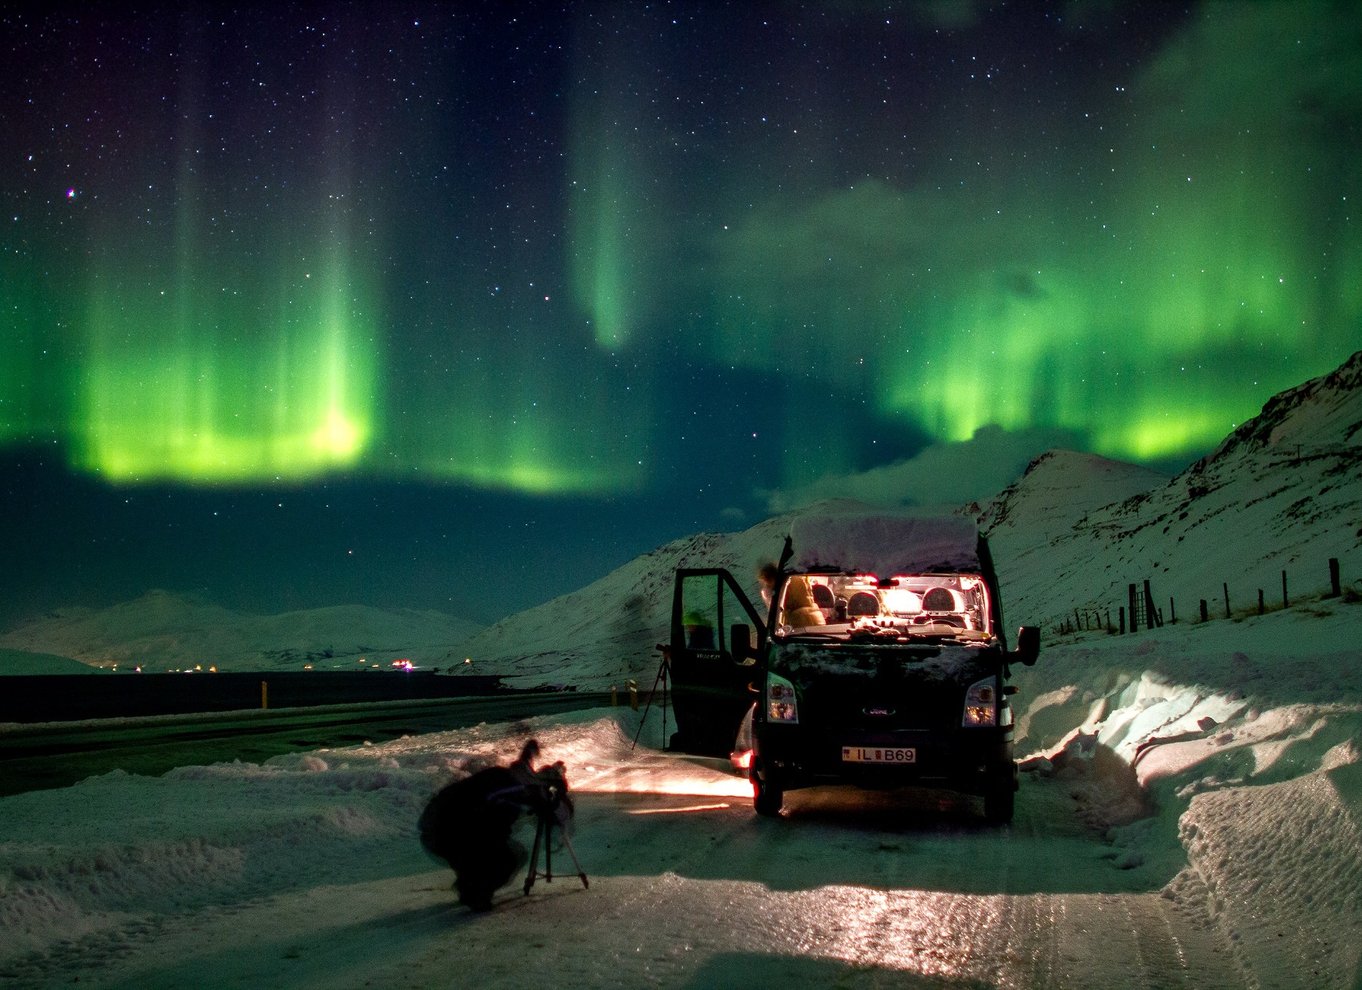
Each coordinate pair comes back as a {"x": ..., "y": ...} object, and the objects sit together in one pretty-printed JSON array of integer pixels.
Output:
[
  {"x": 687, "y": 886},
  {"x": 848, "y": 889},
  {"x": 50, "y": 754}
]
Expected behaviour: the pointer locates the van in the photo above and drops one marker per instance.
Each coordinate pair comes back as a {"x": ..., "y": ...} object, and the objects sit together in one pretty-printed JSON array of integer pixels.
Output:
[{"x": 880, "y": 661}]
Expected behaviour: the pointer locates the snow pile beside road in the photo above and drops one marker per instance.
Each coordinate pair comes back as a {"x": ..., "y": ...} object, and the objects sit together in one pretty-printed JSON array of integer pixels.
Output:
[
  {"x": 103, "y": 860},
  {"x": 1277, "y": 868},
  {"x": 1210, "y": 733}
]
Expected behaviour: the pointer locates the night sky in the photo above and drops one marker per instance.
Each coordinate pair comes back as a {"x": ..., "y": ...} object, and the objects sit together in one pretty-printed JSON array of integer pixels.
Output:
[{"x": 459, "y": 306}]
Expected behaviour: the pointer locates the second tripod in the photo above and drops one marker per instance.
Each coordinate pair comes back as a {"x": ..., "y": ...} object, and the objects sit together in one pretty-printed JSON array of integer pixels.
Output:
[{"x": 663, "y": 669}]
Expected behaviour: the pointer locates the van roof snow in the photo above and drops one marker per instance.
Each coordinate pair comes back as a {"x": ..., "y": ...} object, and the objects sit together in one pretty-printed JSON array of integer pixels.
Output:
[{"x": 883, "y": 544}]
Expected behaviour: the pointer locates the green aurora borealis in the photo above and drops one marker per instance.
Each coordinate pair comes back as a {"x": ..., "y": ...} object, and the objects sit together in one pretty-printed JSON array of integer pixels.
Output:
[{"x": 515, "y": 254}]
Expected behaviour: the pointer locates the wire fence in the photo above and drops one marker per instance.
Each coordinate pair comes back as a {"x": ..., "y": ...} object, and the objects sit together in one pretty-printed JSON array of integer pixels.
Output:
[{"x": 1140, "y": 611}]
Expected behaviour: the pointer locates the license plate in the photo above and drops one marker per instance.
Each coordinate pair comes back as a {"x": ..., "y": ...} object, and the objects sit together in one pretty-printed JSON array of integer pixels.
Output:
[{"x": 879, "y": 754}]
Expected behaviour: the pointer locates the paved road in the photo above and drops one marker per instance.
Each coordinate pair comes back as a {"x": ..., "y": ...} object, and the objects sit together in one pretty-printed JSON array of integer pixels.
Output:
[{"x": 33, "y": 757}]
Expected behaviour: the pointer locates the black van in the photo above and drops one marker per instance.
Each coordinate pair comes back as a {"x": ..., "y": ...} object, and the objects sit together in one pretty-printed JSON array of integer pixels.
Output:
[{"x": 881, "y": 662}]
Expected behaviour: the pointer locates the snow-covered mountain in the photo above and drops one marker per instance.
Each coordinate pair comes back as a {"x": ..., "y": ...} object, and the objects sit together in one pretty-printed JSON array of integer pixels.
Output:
[
  {"x": 607, "y": 632},
  {"x": 20, "y": 662},
  {"x": 1283, "y": 492},
  {"x": 161, "y": 631},
  {"x": 1040, "y": 510}
]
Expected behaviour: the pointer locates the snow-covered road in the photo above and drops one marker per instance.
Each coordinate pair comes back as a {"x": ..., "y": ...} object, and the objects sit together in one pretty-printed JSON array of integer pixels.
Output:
[
  {"x": 670, "y": 930},
  {"x": 687, "y": 888}
]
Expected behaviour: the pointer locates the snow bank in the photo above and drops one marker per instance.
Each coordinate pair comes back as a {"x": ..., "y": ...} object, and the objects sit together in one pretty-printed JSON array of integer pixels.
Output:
[
  {"x": 104, "y": 859},
  {"x": 1236, "y": 741},
  {"x": 1278, "y": 868}
]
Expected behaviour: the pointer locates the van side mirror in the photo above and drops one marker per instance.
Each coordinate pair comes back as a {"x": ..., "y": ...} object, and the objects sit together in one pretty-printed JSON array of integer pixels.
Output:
[{"x": 1028, "y": 645}]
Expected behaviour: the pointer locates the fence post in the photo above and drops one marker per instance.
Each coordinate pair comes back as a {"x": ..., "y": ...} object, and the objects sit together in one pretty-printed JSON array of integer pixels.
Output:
[
  {"x": 1133, "y": 613},
  {"x": 1122, "y": 613},
  {"x": 1205, "y": 616},
  {"x": 1148, "y": 606},
  {"x": 1334, "y": 582},
  {"x": 1261, "y": 609},
  {"x": 1172, "y": 611},
  {"x": 1285, "y": 602},
  {"x": 1227, "y": 599},
  {"x": 264, "y": 694}
]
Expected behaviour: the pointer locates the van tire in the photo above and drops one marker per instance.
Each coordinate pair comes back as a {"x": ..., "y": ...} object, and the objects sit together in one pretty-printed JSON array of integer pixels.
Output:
[{"x": 768, "y": 797}]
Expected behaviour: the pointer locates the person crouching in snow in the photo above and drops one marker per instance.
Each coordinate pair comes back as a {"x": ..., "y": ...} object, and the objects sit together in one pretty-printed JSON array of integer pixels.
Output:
[{"x": 469, "y": 823}]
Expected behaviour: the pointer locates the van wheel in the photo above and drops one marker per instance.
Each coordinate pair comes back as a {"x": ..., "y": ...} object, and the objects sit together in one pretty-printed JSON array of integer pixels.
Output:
[
  {"x": 998, "y": 805},
  {"x": 767, "y": 794}
]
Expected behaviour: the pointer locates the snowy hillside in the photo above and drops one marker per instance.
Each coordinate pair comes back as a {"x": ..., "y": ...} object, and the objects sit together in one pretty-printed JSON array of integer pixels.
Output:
[
  {"x": 15, "y": 662},
  {"x": 608, "y": 631},
  {"x": 1074, "y": 531},
  {"x": 161, "y": 631},
  {"x": 1059, "y": 488},
  {"x": 1282, "y": 493}
]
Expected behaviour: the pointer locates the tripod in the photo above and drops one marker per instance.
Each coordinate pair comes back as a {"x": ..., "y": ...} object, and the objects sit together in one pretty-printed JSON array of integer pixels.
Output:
[
  {"x": 662, "y": 668},
  {"x": 544, "y": 833}
]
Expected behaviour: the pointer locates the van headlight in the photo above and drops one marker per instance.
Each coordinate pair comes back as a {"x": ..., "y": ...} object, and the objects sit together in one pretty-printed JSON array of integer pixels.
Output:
[
  {"x": 981, "y": 703},
  {"x": 780, "y": 700}
]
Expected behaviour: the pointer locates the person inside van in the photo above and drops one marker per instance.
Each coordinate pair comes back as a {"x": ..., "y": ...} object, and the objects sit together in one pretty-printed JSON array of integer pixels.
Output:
[{"x": 800, "y": 607}]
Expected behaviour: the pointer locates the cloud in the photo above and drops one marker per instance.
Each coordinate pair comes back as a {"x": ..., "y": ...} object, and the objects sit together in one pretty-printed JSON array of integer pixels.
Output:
[
  {"x": 946, "y": 474},
  {"x": 1273, "y": 71},
  {"x": 733, "y": 515}
]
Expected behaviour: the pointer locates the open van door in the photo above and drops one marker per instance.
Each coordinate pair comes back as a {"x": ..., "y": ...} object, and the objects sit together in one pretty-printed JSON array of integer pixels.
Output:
[{"x": 718, "y": 642}]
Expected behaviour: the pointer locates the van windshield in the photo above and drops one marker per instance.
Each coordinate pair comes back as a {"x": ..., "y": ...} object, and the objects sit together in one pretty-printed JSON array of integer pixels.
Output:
[{"x": 901, "y": 607}]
